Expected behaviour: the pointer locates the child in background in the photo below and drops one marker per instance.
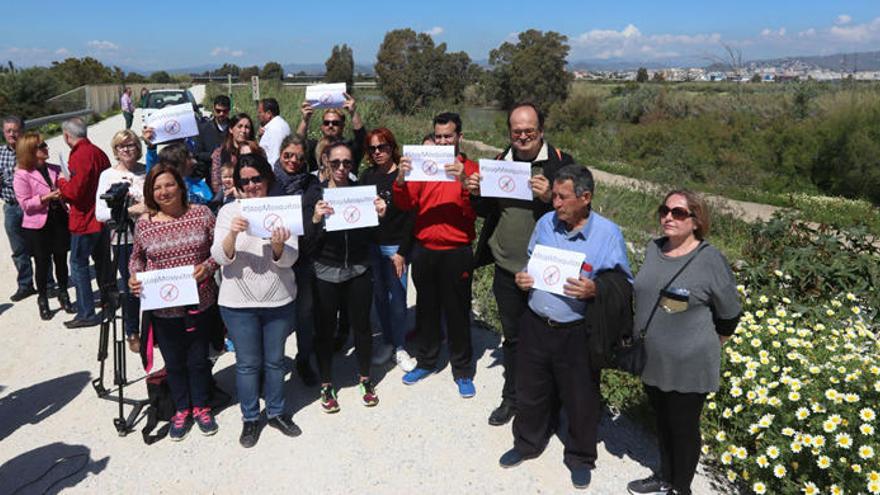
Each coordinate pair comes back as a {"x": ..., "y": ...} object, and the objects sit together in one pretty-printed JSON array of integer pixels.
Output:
[{"x": 229, "y": 192}]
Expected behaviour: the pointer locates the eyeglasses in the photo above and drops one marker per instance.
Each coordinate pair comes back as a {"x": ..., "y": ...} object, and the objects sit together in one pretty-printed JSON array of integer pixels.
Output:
[
  {"x": 255, "y": 180},
  {"x": 678, "y": 213},
  {"x": 43, "y": 146},
  {"x": 382, "y": 148},
  {"x": 127, "y": 146},
  {"x": 333, "y": 123},
  {"x": 523, "y": 132},
  {"x": 340, "y": 163},
  {"x": 290, "y": 156}
]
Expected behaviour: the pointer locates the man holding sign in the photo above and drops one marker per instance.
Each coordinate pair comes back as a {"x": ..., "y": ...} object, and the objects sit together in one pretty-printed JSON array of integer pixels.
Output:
[
  {"x": 442, "y": 264},
  {"x": 332, "y": 129},
  {"x": 553, "y": 358},
  {"x": 509, "y": 220}
]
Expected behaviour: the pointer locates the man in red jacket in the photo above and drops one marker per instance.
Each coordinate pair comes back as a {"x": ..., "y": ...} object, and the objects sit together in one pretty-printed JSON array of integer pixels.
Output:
[
  {"x": 442, "y": 260},
  {"x": 88, "y": 237}
]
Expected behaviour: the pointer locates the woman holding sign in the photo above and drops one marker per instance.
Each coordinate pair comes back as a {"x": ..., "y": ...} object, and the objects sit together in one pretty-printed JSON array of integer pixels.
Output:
[
  {"x": 342, "y": 269},
  {"x": 176, "y": 234},
  {"x": 257, "y": 299}
]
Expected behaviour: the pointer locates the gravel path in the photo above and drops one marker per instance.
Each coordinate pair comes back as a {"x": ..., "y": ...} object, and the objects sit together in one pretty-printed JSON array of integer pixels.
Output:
[{"x": 419, "y": 439}]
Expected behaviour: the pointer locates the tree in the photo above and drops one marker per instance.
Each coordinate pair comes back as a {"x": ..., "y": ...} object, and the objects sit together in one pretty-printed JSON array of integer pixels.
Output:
[
  {"x": 756, "y": 78},
  {"x": 74, "y": 72},
  {"x": 533, "y": 69},
  {"x": 228, "y": 69},
  {"x": 160, "y": 77},
  {"x": 412, "y": 72},
  {"x": 134, "y": 77},
  {"x": 272, "y": 71},
  {"x": 25, "y": 91},
  {"x": 642, "y": 75},
  {"x": 658, "y": 77},
  {"x": 248, "y": 72},
  {"x": 340, "y": 66}
]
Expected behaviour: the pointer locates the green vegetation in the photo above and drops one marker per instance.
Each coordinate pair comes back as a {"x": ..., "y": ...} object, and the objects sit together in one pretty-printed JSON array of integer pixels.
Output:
[
  {"x": 533, "y": 69},
  {"x": 340, "y": 66}
]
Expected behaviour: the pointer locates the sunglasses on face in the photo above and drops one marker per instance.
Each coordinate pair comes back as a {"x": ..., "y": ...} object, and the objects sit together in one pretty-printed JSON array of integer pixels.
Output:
[
  {"x": 43, "y": 146},
  {"x": 333, "y": 123},
  {"x": 291, "y": 156},
  {"x": 340, "y": 163},
  {"x": 523, "y": 132},
  {"x": 678, "y": 213},
  {"x": 255, "y": 180},
  {"x": 381, "y": 148}
]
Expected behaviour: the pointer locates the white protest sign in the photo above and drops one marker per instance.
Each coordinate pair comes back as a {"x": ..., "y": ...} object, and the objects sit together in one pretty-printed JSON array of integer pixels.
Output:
[
  {"x": 550, "y": 267},
  {"x": 266, "y": 214},
  {"x": 174, "y": 122},
  {"x": 65, "y": 170},
  {"x": 353, "y": 208},
  {"x": 428, "y": 163},
  {"x": 168, "y": 288},
  {"x": 326, "y": 95},
  {"x": 502, "y": 179}
]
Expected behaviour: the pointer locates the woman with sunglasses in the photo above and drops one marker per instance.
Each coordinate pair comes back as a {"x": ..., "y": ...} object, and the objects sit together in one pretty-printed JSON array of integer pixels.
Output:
[
  {"x": 127, "y": 150},
  {"x": 342, "y": 270},
  {"x": 241, "y": 131},
  {"x": 687, "y": 305},
  {"x": 256, "y": 301},
  {"x": 390, "y": 250},
  {"x": 45, "y": 218}
]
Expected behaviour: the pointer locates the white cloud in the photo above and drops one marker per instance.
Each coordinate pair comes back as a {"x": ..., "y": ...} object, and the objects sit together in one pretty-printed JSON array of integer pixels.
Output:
[
  {"x": 858, "y": 33},
  {"x": 771, "y": 33},
  {"x": 62, "y": 51},
  {"x": 630, "y": 41},
  {"x": 225, "y": 51},
  {"x": 102, "y": 45},
  {"x": 434, "y": 31},
  {"x": 843, "y": 19},
  {"x": 808, "y": 33}
]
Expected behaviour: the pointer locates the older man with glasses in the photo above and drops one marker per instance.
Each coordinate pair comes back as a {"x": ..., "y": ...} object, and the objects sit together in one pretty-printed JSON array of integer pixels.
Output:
[
  {"x": 332, "y": 129},
  {"x": 506, "y": 230},
  {"x": 12, "y": 213}
]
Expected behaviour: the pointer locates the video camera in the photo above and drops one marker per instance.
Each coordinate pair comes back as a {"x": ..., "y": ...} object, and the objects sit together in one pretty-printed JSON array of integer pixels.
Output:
[{"x": 118, "y": 201}]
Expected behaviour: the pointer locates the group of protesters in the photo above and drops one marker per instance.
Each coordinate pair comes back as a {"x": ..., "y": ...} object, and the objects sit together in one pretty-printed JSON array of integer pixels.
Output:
[{"x": 184, "y": 203}]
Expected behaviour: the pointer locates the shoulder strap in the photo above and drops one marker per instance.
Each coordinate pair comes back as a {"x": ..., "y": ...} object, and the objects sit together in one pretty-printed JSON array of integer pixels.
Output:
[
  {"x": 657, "y": 302},
  {"x": 558, "y": 154}
]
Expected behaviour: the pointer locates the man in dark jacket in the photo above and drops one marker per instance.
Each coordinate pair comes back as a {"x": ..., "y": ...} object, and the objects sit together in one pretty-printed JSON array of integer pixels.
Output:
[
  {"x": 212, "y": 133},
  {"x": 506, "y": 230}
]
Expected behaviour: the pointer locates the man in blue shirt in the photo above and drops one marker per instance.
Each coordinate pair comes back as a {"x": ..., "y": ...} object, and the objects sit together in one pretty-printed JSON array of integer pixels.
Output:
[{"x": 552, "y": 358}]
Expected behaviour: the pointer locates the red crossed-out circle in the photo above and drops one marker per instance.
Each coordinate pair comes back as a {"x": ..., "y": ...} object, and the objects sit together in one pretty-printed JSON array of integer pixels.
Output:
[
  {"x": 506, "y": 183},
  {"x": 169, "y": 292},
  {"x": 351, "y": 214},
  {"x": 172, "y": 126},
  {"x": 325, "y": 98},
  {"x": 429, "y": 167},
  {"x": 551, "y": 275},
  {"x": 272, "y": 222}
]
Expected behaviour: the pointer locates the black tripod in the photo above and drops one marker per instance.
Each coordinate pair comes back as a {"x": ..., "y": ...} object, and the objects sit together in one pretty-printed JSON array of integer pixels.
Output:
[{"x": 121, "y": 225}]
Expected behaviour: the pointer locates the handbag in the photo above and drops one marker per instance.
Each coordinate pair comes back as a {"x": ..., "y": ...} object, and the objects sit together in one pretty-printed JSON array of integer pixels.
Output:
[{"x": 630, "y": 353}]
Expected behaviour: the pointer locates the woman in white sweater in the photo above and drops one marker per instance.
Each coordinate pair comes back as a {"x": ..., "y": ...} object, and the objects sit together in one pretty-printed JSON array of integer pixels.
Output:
[{"x": 256, "y": 301}]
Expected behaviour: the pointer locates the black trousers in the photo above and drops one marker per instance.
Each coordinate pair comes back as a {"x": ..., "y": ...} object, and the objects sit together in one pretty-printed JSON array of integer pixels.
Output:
[
  {"x": 443, "y": 286},
  {"x": 49, "y": 245},
  {"x": 512, "y": 303},
  {"x": 356, "y": 295},
  {"x": 186, "y": 359},
  {"x": 553, "y": 369},
  {"x": 678, "y": 434}
]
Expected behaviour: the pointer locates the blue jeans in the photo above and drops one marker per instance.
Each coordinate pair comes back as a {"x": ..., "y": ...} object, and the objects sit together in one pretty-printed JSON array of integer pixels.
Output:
[
  {"x": 83, "y": 246},
  {"x": 389, "y": 295},
  {"x": 305, "y": 309},
  {"x": 259, "y": 335},
  {"x": 131, "y": 305},
  {"x": 12, "y": 216}
]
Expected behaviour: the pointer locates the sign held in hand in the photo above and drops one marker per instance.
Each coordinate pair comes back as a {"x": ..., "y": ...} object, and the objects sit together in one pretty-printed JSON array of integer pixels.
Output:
[
  {"x": 168, "y": 288},
  {"x": 428, "y": 163},
  {"x": 326, "y": 95},
  {"x": 550, "y": 267},
  {"x": 267, "y": 214},
  {"x": 174, "y": 122},
  {"x": 503, "y": 179},
  {"x": 353, "y": 208}
]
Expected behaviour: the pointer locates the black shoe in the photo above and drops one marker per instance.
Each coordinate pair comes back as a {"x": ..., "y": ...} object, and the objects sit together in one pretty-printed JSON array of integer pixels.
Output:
[
  {"x": 83, "y": 322},
  {"x": 285, "y": 425},
  {"x": 64, "y": 300},
  {"x": 306, "y": 373},
  {"x": 22, "y": 293},
  {"x": 502, "y": 414},
  {"x": 580, "y": 477},
  {"x": 511, "y": 458},
  {"x": 250, "y": 433},
  {"x": 652, "y": 485},
  {"x": 43, "y": 306}
]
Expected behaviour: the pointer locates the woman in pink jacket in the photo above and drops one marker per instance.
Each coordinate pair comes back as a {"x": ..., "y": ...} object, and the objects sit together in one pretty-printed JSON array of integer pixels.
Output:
[{"x": 45, "y": 217}]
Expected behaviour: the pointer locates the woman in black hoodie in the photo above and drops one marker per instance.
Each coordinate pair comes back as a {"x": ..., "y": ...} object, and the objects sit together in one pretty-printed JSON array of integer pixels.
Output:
[{"x": 343, "y": 276}]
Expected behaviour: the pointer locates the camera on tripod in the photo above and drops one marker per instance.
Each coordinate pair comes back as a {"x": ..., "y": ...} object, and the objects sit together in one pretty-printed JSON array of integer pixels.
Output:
[{"x": 118, "y": 200}]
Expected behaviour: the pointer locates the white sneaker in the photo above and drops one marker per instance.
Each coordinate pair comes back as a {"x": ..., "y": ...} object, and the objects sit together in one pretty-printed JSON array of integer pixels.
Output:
[
  {"x": 383, "y": 354},
  {"x": 406, "y": 362}
]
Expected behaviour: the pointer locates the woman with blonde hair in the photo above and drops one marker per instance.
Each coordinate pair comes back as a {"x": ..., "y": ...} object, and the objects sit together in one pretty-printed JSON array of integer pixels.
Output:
[{"x": 45, "y": 218}]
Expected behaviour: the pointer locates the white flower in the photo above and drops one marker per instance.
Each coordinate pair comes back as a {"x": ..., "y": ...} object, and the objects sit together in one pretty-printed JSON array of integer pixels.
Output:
[
  {"x": 843, "y": 440},
  {"x": 726, "y": 458},
  {"x": 721, "y": 436},
  {"x": 759, "y": 488},
  {"x": 762, "y": 461},
  {"x": 810, "y": 488},
  {"x": 779, "y": 471},
  {"x": 802, "y": 413},
  {"x": 867, "y": 414},
  {"x": 866, "y": 452},
  {"x": 866, "y": 429},
  {"x": 773, "y": 451},
  {"x": 824, "y": 462}
]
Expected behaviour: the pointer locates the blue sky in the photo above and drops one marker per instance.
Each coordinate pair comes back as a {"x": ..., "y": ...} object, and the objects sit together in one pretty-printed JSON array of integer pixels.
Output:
[{"x": 165, "y": 34}]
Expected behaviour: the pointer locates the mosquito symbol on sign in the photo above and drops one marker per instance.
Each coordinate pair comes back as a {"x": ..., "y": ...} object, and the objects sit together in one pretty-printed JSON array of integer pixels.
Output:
[
  {"x": 326, "y": 99},
  {"x": 172, "y": 127},
  {"x": 169, "y": 292},
  {"x": 505, "y": 182},
  {"x": 272, "y": 222},
  {"x": 551, "y": 275},
  {"x": 429, "y": 167},
  {"x": 351, "y": 214}
]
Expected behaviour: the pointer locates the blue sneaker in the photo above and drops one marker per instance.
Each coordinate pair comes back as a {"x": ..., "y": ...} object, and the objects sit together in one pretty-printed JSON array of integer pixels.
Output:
[
  {"x": 466, "y": 388},
  {"x": 416, "y": 375},
  {"x": 230, "y": 347}
]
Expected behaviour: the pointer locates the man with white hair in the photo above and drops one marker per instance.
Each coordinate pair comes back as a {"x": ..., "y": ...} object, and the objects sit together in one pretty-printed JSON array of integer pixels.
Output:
[
  {"x": 12, "y": 213},
  {"x": 88, "y": 237}
]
